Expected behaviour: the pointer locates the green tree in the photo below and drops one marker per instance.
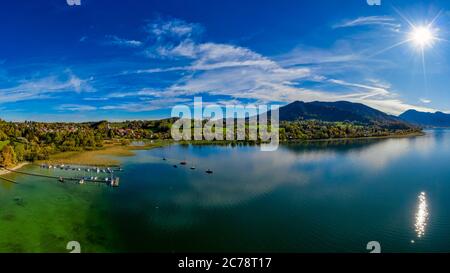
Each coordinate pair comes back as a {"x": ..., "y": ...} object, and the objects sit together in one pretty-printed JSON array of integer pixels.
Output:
[{"x": 20, "y": 151}]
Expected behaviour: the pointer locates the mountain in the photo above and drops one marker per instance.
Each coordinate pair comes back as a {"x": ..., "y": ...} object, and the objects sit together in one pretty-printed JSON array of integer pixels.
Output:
[
  {"x": 425, "y": 119},
  {"x": 340, "y": 111},
  {"x": 103, "y": 124}
]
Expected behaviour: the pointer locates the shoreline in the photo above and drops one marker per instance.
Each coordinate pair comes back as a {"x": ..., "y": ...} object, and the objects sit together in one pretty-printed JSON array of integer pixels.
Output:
[
  {"x": 15, "y": 168},
  {"x": 105, "y": 157}
]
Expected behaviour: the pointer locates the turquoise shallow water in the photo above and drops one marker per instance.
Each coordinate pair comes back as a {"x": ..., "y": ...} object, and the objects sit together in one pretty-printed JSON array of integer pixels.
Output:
[{"x": 316, "y": 197}]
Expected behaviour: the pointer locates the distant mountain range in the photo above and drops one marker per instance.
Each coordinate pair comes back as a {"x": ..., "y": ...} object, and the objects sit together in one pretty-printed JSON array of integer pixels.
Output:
[
  {"x": 424, "y": 119},
  {"x": 340, "y": 111}
]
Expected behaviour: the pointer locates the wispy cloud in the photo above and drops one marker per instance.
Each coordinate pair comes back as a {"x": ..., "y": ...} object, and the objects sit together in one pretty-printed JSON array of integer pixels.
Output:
[
  {"x": 95, "y": 99},
  {"x": 172, "y": 38},
  {"x": 76, "y": 107},
  {"x": 44, "y": 88},
  {"x": 370, "y": 90},
  {"x": 384, "y": 21},
  {"x": 139, "y": 93},
  {"x": 212, "y": 56},
  {"x": 426, "y": 101},
  {"x": 114, "y": 40},
  {"x": 173, "y": 28}
]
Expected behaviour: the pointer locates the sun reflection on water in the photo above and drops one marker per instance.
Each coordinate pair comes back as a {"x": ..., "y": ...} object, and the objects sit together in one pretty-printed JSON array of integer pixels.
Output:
[{"x": 421, "y": 215}]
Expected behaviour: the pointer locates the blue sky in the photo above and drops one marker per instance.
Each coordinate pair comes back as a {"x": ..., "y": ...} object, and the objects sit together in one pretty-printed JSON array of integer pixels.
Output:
[{"x": 136, "y": 59}]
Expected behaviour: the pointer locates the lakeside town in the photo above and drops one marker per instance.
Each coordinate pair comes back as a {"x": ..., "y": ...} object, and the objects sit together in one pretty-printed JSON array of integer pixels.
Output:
[{"x": 80, "y": 142}]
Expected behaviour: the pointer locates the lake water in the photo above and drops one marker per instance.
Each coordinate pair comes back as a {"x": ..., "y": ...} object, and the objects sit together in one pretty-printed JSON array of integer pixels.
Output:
[{"x": 316, "y": 197}]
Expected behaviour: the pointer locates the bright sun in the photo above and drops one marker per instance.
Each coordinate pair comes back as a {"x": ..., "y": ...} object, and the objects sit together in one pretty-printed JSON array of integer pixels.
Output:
[{"x": 422, "y": 36}]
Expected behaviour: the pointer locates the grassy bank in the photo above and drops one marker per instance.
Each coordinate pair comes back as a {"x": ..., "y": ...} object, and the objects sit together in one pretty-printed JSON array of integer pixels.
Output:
[{"x": 101, "y": 157}]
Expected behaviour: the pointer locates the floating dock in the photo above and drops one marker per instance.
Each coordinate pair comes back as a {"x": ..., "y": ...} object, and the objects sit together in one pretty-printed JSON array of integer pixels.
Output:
[
  {"x": 110, "y": 181},
  {"x": 8, "y": 180}
]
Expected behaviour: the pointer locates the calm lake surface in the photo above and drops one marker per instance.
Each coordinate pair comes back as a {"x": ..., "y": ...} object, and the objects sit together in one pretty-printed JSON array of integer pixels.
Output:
[{"x": 316, "y": 197}]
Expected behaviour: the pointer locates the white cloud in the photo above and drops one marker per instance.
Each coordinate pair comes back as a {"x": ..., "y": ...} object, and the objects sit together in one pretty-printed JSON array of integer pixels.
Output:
[
  {"x": 372, "y": 90},
  {"x": 114, "y": 40},
  {"x": 279, "y": 85},
  {"x": 76, "y": 107},
  {"x": 44, "y": 88},
  {"x": 212, "y": 56},
  {"x": 384, "y": 21},
  {"x": 426, "y": 101},
  {"x": 172, "y": 38},
  {"x": 95, "y": 99},
  {"x": 173, "y": 28},
  {"x": 140, "y": 93}
]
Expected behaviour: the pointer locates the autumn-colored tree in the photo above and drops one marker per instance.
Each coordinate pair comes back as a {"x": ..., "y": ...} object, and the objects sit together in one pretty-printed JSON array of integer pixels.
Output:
[
  {"x": 8, "y": 157},
  {"x": 3, "y": 136}
]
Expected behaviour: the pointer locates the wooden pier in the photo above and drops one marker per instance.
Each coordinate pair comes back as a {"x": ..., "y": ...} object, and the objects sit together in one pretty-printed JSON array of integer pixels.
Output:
[
  {"x": 8, "y": 180},
  {"x": 112, "y": 181}
]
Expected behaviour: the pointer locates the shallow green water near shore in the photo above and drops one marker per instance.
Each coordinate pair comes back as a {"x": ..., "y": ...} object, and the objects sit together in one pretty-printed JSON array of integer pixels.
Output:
[{"x": 316, "y": 197}]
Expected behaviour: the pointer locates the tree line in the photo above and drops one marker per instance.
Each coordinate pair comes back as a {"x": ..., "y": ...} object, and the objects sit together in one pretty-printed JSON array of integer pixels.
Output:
[{"x": 31, "y": 141}]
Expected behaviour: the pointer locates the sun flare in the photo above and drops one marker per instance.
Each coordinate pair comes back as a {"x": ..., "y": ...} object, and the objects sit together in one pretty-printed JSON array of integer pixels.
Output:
[{"x": 422, "y": 36}]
